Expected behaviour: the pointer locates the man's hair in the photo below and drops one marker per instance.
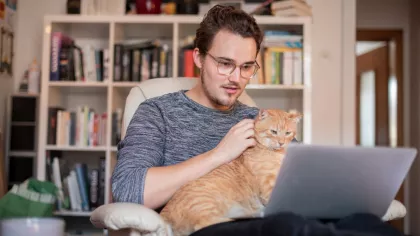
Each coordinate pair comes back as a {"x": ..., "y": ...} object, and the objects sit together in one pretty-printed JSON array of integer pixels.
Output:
[{"x": 226, "y": 18}]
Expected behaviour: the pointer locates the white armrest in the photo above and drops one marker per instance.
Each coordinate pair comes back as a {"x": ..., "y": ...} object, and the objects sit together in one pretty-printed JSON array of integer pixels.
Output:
[
  {"x": 144, "y": 221},
  {"x": 119, "y": 216},
  {"x": 395, "y": 211}
]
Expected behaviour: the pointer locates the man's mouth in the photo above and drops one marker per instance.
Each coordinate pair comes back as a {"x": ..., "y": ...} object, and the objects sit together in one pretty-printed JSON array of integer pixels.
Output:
[{"x": 231, "y": 89}]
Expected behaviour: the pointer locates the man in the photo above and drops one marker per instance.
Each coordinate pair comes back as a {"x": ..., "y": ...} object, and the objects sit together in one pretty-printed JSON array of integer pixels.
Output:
[{"x": 181, "y": 136}]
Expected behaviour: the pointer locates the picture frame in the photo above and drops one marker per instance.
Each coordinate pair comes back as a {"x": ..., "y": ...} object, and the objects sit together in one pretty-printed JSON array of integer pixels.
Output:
[{"x": 6, "y": 51}]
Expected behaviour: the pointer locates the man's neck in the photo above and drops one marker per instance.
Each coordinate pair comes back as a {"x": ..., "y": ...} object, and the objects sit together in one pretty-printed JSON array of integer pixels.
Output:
[{"x": 198, "y": 95}]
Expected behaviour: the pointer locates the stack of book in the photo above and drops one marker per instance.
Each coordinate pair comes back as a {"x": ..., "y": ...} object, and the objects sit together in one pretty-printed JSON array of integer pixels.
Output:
[{"x": 289, "y": 8}]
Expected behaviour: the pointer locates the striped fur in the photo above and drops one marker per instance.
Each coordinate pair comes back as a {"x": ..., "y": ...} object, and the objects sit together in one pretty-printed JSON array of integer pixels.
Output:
[{"x": 242, "y": 186}]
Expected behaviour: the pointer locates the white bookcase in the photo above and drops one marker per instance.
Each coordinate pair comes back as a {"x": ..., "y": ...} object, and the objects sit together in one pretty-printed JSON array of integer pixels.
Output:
[{"x": 105, "y": 31}]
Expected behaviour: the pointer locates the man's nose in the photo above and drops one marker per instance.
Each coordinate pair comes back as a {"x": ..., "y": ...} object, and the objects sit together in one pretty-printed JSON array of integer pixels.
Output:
[{"x": 236, "y": 75}]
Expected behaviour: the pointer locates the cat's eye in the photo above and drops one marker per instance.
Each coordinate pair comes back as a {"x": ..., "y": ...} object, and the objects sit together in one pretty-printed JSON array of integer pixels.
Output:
[
  {"x": 288, "y": 133},
  {"x": 274, "y": 131}
]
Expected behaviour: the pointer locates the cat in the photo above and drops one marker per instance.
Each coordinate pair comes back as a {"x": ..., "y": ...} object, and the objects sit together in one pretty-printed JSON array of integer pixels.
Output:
[{"x": 238, "y": 188}]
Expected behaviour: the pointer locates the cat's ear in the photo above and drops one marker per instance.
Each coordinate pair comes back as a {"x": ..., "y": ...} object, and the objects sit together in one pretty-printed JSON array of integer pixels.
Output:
[
  {"x": 295, "y": 116},
  {"x": 262, "y": 114}
]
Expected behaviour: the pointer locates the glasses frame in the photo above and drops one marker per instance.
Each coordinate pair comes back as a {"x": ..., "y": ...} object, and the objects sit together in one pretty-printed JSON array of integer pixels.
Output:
[{"x": 234, "y": 68}]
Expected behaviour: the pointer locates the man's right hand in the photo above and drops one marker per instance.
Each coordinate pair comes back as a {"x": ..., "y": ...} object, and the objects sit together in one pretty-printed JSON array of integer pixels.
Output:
[{"x": 239, "y": 138}]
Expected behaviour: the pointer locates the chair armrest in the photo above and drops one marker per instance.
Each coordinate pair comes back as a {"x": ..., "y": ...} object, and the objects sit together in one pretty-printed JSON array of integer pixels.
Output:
[
  {"x": 118, "y": 216},
  {"x": 395, "y": 211},
  {"x": 122, "y": 216}
]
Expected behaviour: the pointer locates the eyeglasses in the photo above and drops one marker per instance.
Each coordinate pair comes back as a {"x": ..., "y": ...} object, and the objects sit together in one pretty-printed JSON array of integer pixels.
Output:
[{"x": 224, "y": 67}]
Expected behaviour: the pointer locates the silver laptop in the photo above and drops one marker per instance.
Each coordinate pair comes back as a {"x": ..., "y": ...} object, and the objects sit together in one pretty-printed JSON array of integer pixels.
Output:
[{"x": 330, "y": 182}]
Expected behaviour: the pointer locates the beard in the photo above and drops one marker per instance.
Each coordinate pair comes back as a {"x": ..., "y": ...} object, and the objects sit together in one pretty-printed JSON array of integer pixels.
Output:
[{"x": 229, "y": 101}]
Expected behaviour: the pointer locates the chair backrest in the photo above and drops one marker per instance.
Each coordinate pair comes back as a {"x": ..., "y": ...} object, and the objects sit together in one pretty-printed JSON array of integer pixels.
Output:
[{"x": 157, "y": 87}]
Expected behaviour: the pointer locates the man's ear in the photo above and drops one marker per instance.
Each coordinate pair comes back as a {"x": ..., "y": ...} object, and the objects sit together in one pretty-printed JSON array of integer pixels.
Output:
[{"x": 197, "y": 58}]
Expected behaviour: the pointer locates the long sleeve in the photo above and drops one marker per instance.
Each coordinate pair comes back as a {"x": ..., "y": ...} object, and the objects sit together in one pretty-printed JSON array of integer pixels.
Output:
[{"x": 141, "y": 149}]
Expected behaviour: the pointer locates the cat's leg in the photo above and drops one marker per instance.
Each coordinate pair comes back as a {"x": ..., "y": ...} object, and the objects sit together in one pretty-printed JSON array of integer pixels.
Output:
[
  {"x": 204, "y": 222},
  {"x": 266, "y": 187}
]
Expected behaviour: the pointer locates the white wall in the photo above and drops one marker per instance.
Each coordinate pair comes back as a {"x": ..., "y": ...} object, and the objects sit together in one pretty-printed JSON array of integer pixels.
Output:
[
  {"x": 29, "y": 31},
  {"x": 333, "y": 43},
  {"x": 6, "y": 80},
  {"x": 27, "y": 45}
]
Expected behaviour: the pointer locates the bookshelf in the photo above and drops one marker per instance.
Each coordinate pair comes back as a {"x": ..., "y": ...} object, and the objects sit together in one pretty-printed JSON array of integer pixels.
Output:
[{"x": 108, "y": 96}]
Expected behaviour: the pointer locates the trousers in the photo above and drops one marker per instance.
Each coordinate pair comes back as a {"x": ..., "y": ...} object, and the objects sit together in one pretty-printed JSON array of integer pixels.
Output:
[{"x": 289, "y": 224}]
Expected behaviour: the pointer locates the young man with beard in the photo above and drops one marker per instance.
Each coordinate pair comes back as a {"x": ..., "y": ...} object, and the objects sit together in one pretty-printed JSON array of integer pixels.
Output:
[{"x": 178, "y": 137}]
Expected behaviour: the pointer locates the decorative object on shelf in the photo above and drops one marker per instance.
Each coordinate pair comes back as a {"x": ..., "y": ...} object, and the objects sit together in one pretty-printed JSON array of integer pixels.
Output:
[
  {"x": 73, "y": 6},
  {"x": 130, "y": 7},
  {"x": 290, "y": 8},
  {"x": 188, "y": 7},
  {"x": 102, "y": 7},
  {"x": 23, "y": 85},
  {"x": 33, "y": 78},
  {"x": 148, "y": 6},
  {"x": 262, "y": 9},
  {"x": 238, "y": 4},
  {"x": 169, "y": 8}
]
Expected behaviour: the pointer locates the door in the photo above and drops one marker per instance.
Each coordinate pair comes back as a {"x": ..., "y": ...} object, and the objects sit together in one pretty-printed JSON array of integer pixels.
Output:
[
  {"x": 372, "y": 119},
  {"x": 373, "y": 104}
]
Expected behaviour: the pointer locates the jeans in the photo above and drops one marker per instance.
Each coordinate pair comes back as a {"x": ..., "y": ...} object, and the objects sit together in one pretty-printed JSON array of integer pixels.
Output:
[{"x": 289, "y": 224}]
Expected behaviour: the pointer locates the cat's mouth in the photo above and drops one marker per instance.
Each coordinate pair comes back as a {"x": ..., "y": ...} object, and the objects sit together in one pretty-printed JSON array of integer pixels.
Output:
[{"x": 277, "y": 147}]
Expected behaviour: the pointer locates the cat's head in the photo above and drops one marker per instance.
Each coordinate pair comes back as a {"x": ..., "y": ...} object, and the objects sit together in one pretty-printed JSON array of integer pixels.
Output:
[{"x": 275, "y": 128}]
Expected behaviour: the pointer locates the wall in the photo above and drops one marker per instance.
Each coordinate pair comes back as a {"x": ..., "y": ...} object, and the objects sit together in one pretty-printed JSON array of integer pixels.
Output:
[
  {"x": 6, "y": 80},
  {"x": 333, "y": 69},
  {"x": 394, "y": 14},
  {"x": 28, "y": 23},
  {"x": 29, "y": 31},
  {"x": 415, "y": 116}
]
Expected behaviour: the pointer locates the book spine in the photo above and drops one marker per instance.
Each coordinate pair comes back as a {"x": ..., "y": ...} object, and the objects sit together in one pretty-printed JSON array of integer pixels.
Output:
[{"x": 56, "y": 41}]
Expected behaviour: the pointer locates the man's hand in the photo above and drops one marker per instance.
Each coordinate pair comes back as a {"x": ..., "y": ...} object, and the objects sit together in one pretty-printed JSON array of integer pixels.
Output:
[{"x": 237, "y": 140}]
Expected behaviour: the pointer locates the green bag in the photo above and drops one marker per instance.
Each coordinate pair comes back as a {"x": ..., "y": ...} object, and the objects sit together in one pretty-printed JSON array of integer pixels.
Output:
[{"x": 32, "y": 198}]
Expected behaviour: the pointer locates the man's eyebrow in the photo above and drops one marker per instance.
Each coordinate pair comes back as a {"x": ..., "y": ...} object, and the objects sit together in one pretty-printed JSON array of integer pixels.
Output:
[{"x": 231, "y": 60}]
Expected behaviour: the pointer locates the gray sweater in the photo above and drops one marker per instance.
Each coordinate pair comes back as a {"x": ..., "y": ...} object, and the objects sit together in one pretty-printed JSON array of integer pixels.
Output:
[{"x": 164, "y": 131}]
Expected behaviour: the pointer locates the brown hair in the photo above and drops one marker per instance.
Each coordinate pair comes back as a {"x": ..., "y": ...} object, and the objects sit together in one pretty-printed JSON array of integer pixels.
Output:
[{"x": 226, "y": 18}]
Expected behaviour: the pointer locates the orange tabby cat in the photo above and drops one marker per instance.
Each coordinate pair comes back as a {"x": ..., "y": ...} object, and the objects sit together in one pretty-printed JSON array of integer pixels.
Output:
[{"x": 240, "y": 187}]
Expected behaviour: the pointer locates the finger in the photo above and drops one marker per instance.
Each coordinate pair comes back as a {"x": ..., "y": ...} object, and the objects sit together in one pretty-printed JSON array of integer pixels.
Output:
[
  {"x": 244, "y": 122},
  {"x": 249, "y": 133},
  {"x": 246, "y": 127},
  {"x": 251, "y": 142}
]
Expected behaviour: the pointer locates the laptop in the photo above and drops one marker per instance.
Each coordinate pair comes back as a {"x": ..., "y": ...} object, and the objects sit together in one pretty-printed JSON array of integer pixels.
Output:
[{"x": 331, "y": 182}]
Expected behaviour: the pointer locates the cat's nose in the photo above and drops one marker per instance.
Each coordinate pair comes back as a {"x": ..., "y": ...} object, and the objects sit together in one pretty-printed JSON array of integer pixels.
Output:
[{"x": 281, "y": 144}]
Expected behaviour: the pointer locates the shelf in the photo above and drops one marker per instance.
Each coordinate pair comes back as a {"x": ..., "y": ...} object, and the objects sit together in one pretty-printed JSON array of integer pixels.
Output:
[
  {"x": 275, "y": 87},
  {"x": 75, "y": 148},
  {"x": 23, "y": 123},
  {"x": 76, "y": 84},
  {"x": 167, "y": 19},
  {"x": 114, "y": 149},
  {"x": 125, "y": 84},
  {"x": 72, "y": 213},
  {"x": 25, "y": 94},
  {"x": 22, "y": 153}
]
